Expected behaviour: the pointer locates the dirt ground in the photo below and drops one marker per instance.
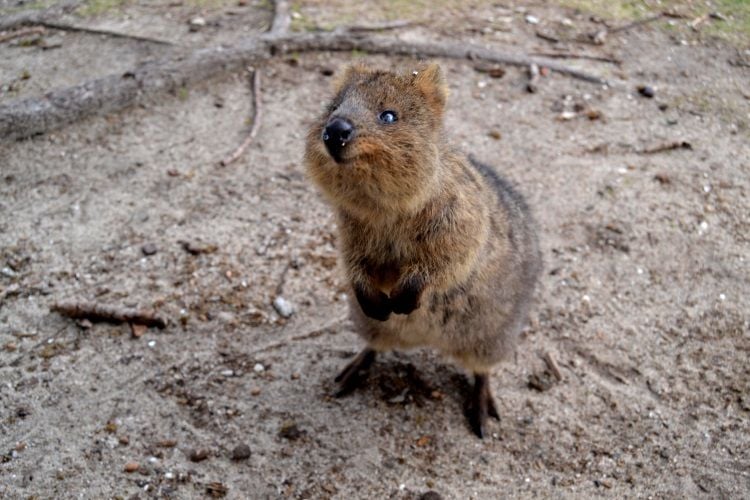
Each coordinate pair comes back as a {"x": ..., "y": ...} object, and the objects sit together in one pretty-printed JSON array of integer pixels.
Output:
[{"x": 643, "y": 304}]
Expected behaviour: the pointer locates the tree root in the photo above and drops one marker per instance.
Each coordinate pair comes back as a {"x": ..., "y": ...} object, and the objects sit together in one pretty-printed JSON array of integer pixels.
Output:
[{"x": 35, "y": 115}]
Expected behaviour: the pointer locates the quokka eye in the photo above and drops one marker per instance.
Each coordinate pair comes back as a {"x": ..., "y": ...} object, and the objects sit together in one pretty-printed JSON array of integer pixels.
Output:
[{"x": 388, "y": 116}]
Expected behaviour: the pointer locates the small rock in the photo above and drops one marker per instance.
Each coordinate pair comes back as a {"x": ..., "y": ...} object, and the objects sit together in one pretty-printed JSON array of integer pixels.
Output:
[
  {"x": 532, "y": 19},
  {"x": 241, "y": 452},
  {"x": 255, "y": 391},
  {"x": 259, "y": 368},
  {"x": 167, "y": 443},
  {"x": 283, "y": 307},
  {"x": 646, "y": 91},
  {"x": 197, "y": 247},
  {"x": 495, "y": 134},
  {"x": 197, "y": 23},
  {"x": 430, "y": 495},
  {"x": 123, "y": 440},
  {"x": 227, "y": 373},
  {"x": 131, "y": 467},
  {"x": 137, "y": 330},
  {"x": 289, "y": 430},
  {"x": 199, "y": 455},
  {"x": 149, "y": 249},
  {"x": 325, "y": 71}
]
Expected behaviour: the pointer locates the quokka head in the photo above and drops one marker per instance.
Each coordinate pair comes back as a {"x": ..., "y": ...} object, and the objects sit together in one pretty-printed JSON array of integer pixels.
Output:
[{"x": 376, "y": 146}]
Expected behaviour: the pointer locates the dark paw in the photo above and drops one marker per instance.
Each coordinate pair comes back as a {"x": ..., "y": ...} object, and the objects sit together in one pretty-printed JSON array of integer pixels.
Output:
[
  {"x": 375, "y": 305},
  {"x": 480, "y": 406},
  {"x": 406, "y": 297}
]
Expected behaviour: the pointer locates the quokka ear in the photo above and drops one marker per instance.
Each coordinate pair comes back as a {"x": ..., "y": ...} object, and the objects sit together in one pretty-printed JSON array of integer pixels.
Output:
[
  {"x": 350, "y": 73},
  {"x": 430, "y": 81}
]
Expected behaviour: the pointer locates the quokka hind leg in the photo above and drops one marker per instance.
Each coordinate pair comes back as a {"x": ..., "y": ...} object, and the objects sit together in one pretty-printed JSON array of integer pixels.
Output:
[
  {"x": 355, "y": 372},
  {"x": 480, "y": 405}
]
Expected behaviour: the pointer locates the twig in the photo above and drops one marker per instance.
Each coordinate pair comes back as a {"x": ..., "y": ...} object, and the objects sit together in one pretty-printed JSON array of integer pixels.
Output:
[
  {"x": 317, "y": 332},
  {"x": 670, "y": 146},
  {"x": 532, "y": 86},
  {"x": 547, "y": 36},
  {"x": 384, "y": 26},
  {"x": 568, "y": 55},
  {"x": 113, "y": 314},
  {"x": 281, "y": 20},
  {"x": 97, "y": 31},
  {"x": 257, "y": 112},
  {"x": 638, "y": 22},
  {"x": 552, "y": 365},
  {"x": 34, "y": 30}
]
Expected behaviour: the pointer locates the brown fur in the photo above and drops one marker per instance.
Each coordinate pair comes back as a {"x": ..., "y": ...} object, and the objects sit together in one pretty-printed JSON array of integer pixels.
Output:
[{"x": 421, "y": 227}]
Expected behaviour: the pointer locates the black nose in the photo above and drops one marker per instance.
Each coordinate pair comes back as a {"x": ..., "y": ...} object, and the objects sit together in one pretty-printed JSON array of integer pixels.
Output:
[{"x": 336, "y": 135}]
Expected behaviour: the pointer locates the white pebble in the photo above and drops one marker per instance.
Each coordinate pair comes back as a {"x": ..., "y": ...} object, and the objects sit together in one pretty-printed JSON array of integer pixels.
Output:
[
  {"x": 722, "y": 297},
  {"x": 227, "y": 373},
  {"x": 532, "y": 19},
  {"x": 169, "y": 475},
  {"x": 706, "y": 188},
  {"x": 639, "y": 270},
  {"x": 152, "y": 343},
  {"x": 283, "y": 307},
  {"x": 259, "y": 368}
]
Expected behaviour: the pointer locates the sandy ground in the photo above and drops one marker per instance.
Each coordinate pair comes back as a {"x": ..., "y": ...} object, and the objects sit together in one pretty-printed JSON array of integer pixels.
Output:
[{"x": 644, "y": 301}]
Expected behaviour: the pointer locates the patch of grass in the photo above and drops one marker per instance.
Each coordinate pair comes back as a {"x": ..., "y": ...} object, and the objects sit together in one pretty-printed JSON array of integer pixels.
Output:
[
  {"x": 734, "y": 28},
  {"x": 97, "y": 7}
]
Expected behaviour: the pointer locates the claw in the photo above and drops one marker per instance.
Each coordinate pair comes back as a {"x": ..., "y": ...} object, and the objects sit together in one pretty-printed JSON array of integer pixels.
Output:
[{"x": 355, "y": 372}]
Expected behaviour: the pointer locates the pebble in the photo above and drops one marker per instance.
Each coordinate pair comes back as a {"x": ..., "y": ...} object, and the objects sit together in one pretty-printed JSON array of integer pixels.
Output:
[
  {"x": 283, "y": 307},
  {"x": 646, "y": 91},
  {"x": 241, "y": 452},
  {"x": 227, "y": 373},
  {"x": 199, "y": 455},
  {"x": 259, "y": 368},
  {"x": 290, "y": 430},
  {"x": 430, "y": 495},
  {"x": 532, "y": 19},
  {"x": 149, "y": 249},
  {"x": 131, "y": 467}
]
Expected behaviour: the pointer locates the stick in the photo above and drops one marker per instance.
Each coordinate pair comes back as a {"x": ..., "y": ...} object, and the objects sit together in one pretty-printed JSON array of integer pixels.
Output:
[
  {"x": 97, "y": 31},
  {"x": 113, "y": 314},
  {"x": 547, "y": 37},
  {"x": 552, "y": 365},
  {"x": 666, "y": 147},
  {"x": 569, "y": 55},
  {"x": 281, "y": 20},
  {"x": 257, "y": 111},
  {"x": 34, "y": 30},
  {"x": 384, "y": 26},
  {"x": 34, "y": 115}
]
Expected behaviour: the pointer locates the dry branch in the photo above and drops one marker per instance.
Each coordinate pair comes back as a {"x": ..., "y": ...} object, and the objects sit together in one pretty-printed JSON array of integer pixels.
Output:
[
  {"x": 99, "y": 312},
  {"x": 97, "y": 31},
  {"x": 570, "y": 55},
  {"x": 257, "y": 113},
  {"x": 33, "y": 30},
  {"x": 112, "y": 93}
]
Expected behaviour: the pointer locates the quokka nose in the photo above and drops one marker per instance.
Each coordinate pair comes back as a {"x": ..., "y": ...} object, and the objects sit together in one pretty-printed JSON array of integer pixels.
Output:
[{"x": 337, "y": 133}]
